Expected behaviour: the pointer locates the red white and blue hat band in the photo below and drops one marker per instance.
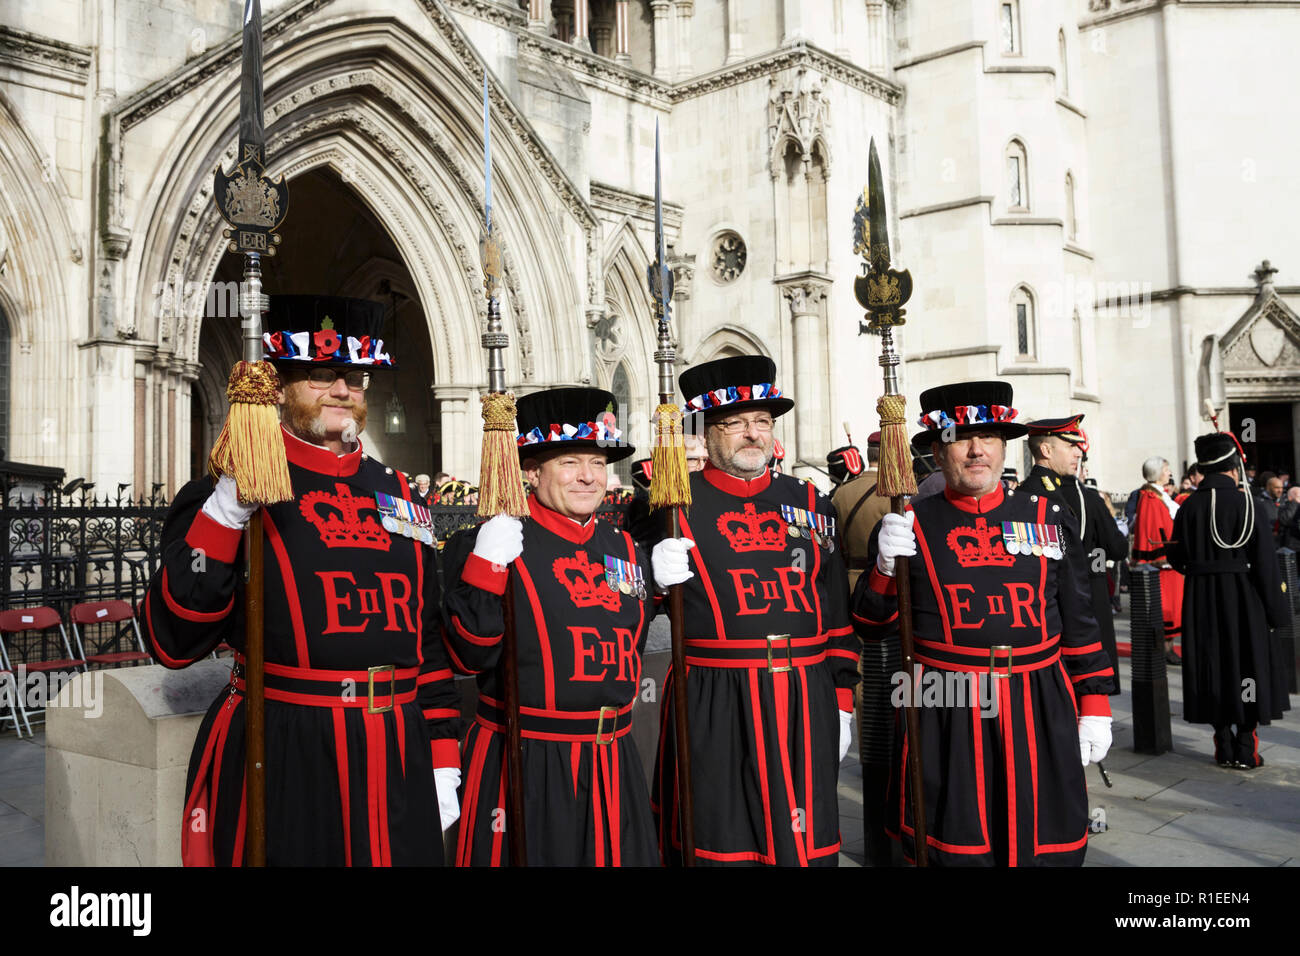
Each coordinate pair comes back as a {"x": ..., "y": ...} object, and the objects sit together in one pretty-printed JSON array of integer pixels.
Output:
[
  {"x": 326, "y": 345},
  {"x": 557, "y": 432},
  {"x": 969, "y": 415},
  {"x": 720, "y": 397}
]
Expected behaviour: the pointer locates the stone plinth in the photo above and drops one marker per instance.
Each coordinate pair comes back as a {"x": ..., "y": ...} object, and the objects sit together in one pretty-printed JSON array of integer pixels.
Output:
[{"x": 115, "y": 764}]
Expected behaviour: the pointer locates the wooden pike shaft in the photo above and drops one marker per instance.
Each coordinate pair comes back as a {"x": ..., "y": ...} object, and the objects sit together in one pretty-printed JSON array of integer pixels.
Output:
[
  {"x": 907, "y": 647},
  {"x": 252, "y": 303}
]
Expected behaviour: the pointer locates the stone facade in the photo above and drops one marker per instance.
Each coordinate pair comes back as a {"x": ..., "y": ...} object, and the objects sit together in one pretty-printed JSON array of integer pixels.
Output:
[{"x": 1130, "y": 152}]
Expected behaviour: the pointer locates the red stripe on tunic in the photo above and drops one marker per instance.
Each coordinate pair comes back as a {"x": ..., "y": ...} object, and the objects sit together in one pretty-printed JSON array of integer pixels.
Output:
[
  {"x": 372, "y": 790},
  {"x": 1009, "y": 768},
  {"x": 934, "y": 581},
  {"x": 597, "y": 819},
  {"x": 290, "y": 589},
  {"x": 543, "y": 637},
  {"x": 703, "y": 572},
  {"x": 817, "y": 562},
  {"x": 781, "y": 687},
  {"x": 345, "y": 796},
  {"x": 807, "y": 759},
  {"x": 761, "y": 750},
  {"x": 501, "y": 802},
  {"x": 195, "y": 617}
]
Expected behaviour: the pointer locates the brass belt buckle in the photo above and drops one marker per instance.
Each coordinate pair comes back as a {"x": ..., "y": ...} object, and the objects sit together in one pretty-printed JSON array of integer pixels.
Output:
[
  {"x": 391, "y": 670},
  {"x": 993, "y": 656},
  {"x": 772, "y": 666},
  {"x": 600, "y": 724}
]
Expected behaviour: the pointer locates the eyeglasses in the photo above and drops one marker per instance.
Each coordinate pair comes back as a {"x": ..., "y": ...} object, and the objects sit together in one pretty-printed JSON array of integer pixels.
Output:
[
  {"x": 734, "y": 426},
  {"x": 355, "y": 379}
]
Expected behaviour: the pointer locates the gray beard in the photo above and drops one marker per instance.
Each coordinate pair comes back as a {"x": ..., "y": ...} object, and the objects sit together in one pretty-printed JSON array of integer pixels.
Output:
[{"x": 349, "y": 433}]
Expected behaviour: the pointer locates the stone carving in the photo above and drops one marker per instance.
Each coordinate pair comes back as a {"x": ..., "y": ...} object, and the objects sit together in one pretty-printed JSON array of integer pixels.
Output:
[
  {"x": 804, "y": 297},
  {"x": 797, "y": 112}
]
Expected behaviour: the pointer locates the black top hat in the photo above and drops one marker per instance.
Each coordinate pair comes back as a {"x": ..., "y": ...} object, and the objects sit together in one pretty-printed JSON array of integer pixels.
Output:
[
  {"x": 1066, "y": 429},
  {"x": 325, "y": 330},
  {"x": 844, "y": 463},
  {"x": 641, "y": 472},
  {"x": 968, "y": 407},
  {"x": 1216, "y": 452},
  {"x": 740, "y": 383},
  {"x": 570, "y": 419}
]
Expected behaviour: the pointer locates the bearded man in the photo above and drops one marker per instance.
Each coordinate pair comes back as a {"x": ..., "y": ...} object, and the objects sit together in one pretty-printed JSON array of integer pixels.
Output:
[
  {"x": 770, "y": 653},
  {"x": 1000, "y": 611},
  {"x": 361, "y": 712}
]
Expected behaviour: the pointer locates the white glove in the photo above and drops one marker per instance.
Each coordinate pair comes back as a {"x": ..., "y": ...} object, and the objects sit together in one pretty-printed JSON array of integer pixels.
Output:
[
  {"x": 897, "y": 540},
  {"x": 446, "y": 780},
  {"x": 1094, "y": 739},
  {"x": 223, "y": 505},
  {"x": 846, "y": 732},
  {"x": 671, "y": 563},
  {"x": 500, "y": 540}
]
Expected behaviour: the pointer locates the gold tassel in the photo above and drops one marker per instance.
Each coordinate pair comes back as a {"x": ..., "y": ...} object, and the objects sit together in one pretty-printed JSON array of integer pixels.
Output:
[
  {"x": 250, "y": 448},
  {"x": 500, "y": 485},
  {"x": 895, "y": 476},
  {"x": 669, "y": 480}
]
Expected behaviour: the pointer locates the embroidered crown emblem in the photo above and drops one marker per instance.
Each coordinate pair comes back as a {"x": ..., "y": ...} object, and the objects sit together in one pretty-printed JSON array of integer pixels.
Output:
[
  {"x": 977, "y": 547},
  {"x": 750, "y": 531},
  {"x": 585, "y": 582},
  {"x": 339, "y": 520}
]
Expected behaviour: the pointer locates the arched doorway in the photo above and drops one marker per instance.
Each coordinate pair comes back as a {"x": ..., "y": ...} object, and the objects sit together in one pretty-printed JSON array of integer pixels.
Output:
[{"x": 333, "y": 244}]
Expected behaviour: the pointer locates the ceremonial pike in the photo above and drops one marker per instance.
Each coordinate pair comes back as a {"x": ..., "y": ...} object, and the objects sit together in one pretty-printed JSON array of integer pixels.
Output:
[
  {"x": 883, "y": 292},
  {"x": 250, "y": 448}
]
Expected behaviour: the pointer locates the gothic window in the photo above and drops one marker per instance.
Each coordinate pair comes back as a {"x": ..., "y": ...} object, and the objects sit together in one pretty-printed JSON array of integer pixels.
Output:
[
  {"x": 729, "y": 257},
  {"x": 1063, "y": 72},
  {"x": 1017, "y": 177},
  {"x": 1009, "y": 26},
  {"x": 1022, "y": 305},
  {"x": 1071, "y": 223}
]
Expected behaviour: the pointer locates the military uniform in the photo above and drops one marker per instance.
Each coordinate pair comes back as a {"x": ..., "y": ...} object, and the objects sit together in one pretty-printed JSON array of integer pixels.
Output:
[
  {"x": 580, "y": 645},
  {"x": 771, "y": 656},
  {"x": 1234, "y": 594},
  {"x": 1100, "y": 539},
  {"x": 583, "y": 601},
  {"x": 1002, "y": 571},
  {"x": 360, "y": 704}
]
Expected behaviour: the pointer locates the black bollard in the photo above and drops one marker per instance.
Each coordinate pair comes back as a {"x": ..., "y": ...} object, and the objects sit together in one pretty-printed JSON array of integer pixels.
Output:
[
  {"x": 1150, "y": 682},
  {"x": 880, "y": 660},
  {"x": 1285, "y": 635}
]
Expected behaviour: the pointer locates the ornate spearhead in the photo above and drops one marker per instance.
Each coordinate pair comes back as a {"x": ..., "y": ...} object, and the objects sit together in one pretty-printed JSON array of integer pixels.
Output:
[
  {"x": 489, "y": 248},
  {"x": 880, "y": 290},
  {"x": 251, "y": 202},
  {"x": 659, "y": 277}
]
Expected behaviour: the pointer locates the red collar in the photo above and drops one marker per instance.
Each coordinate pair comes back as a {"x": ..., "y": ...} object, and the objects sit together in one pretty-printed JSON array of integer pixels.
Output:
[
  {"x": 732, "y": 485},
  {"x": 556, "y": 523},
  {"x": 319, "y": 459},
  {"x": 976, "y": 506}
]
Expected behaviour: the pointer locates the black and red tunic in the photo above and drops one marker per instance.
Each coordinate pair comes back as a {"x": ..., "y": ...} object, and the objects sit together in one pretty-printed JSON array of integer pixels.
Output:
[
  {"x": 1001, "y": 770},
  {"x": 579, "y": 652},
  {"x": 360, "y": 701},
  {"x": 771, "y": 659}
]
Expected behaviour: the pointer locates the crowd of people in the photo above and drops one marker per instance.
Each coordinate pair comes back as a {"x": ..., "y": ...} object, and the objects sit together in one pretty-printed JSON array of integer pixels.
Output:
[{"x": 789, "y": 598}]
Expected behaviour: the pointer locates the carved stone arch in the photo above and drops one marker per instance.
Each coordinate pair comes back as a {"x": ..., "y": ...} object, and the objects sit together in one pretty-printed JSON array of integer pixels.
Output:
[
  {"x": 625, "y": 263},
  {"x": 36, "y": 239},
  {"x": 416, "y": 113},
  {"x": 727, "y": 340}
]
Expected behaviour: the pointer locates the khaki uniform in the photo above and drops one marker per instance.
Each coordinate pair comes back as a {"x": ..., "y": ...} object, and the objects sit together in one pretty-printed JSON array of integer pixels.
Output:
[{"x": 856, "y": 523}]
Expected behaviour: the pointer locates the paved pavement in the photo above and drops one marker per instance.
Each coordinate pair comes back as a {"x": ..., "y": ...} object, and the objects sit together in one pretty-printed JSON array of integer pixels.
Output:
[{"x": 1177, "y": 809}]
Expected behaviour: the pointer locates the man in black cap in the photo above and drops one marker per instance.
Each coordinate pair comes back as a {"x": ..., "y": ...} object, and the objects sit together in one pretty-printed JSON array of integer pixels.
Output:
[
  {"x": 771, "y": 653},
  {"x": 856, "y": 503},
  {"x": 1057, "y": 446},
  {"x": 361, "y": 711},
  {"x": 1233, "y": 675},
  {"x": 582, "y": 611},
  {"x": 1000, "y": 609}
]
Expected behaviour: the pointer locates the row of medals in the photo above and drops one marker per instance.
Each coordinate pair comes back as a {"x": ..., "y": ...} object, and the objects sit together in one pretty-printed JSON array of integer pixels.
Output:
[
  {"x": 1018, "y": 545},
  {"x": 801, "y": 530},
  {"x": 625, "y": 586},
  {"x": 407, "y": 529}
]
